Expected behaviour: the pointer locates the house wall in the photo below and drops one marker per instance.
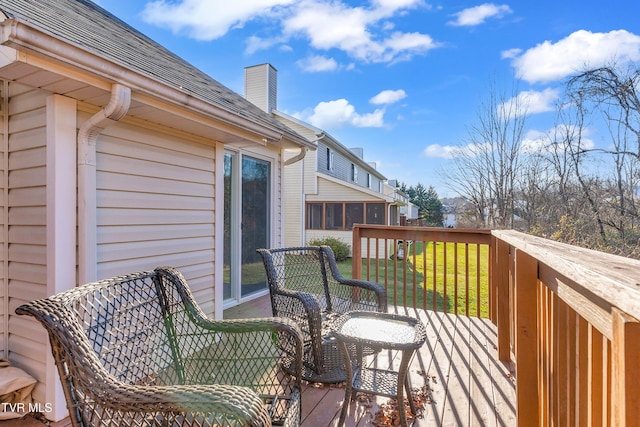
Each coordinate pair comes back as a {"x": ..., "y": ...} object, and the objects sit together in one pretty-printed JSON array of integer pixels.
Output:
[
  {"x": 4, "y": 330},
  {"x": 334, "y": 190},
  {"x": 299, "y": 180},
  {"x": 156, "y": 205},
  {"x": 342, "y": 169},
  {"x": 293, "y": 203},
  {"x": 23, "y": 217}
]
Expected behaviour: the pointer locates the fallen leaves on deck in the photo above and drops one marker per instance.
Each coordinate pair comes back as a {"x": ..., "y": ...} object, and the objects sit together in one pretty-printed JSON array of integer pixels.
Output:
[{"x": 388, "y": 414}]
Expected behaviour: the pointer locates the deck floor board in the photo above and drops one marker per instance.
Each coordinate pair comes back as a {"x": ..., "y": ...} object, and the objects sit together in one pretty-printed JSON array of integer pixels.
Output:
[{"x": 457, "y": 366}]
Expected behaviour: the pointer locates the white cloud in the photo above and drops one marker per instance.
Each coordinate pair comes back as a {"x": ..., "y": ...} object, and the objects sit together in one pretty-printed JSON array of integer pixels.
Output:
[
  {"x": 549, "y": 61},
  {"x": 531, "y": 102},
  {"x": 388, "y": 97},
  {"x": 255, "y": 44},
  {"x": 330, "y": 25},
  {"x": 398, "y": 4},
  {"x": 317, "y": 63},
  {"x": 564, "y": 133},
  {"x": 479, "y": 14},
  {"x": 352, "y": 29},
  {"x": 439, "y": 151},
  {"x": 339, "y": 113},
  {"x": 534, "y": 141},
  {"x": 510, "y": 53},
  {"x": 452, "y": 151},
  {"x": 363, "y": 32},
  {"x": 208, "y": 19}
]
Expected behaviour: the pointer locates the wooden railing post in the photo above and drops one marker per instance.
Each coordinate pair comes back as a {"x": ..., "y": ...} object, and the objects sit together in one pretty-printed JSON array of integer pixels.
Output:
[
  {"x": 501, "y": 286},
  {"x": 625, "y": 348},
  {"x": 526, "y": 337},
  {"x": 493, "y": 282},
  {"x": 356, "y": 253}
]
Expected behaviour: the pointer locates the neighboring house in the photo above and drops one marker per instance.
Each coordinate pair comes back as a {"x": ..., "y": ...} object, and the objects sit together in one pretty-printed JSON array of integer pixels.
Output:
[
  {"x": 119, "y": 156},
  {"x": 406, "y": 209},
  {"x": 331, "y": 188},
  {"x": 409, "y": 211}
]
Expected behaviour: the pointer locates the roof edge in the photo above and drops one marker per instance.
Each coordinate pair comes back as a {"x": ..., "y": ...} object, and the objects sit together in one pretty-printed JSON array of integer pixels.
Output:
[{"x": 20, "y": 35}]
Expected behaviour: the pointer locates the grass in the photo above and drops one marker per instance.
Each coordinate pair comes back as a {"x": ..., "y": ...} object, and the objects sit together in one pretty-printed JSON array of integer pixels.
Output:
[{"x": 452, "y": 283}]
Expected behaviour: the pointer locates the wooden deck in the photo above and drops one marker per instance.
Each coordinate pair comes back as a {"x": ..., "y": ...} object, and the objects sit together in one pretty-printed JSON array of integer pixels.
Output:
[{"x": 456, "y": 375}]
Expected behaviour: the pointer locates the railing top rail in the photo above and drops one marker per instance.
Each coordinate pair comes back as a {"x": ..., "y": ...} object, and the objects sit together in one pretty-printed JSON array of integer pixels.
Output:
[
  {"x": 436, "y": 234},
  {"x": 614, "y": 279}
]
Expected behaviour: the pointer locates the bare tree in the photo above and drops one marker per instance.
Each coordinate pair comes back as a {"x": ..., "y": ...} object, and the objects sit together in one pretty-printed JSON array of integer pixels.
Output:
[
  {"x": 610, "y": 95},
  {"x": 485, "y": 169},
  {"x": 610, "y": 88}
]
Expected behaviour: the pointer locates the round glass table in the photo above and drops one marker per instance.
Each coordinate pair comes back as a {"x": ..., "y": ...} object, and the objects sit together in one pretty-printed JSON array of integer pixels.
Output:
[{"x": 377, "y": 332}]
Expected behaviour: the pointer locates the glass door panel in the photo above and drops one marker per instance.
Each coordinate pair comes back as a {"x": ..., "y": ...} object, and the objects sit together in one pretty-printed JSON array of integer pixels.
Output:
[
  {"x": 256, "y": 209},
  {"x": 229, "y": 290}
]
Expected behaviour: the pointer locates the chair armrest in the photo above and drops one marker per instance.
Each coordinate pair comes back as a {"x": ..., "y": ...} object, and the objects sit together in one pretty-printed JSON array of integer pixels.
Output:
[
  {"x": 299, "y": 302},
  {"x": 189, "y": 403},
  {"x": 377, "y": 289},
  {"x": 303, "y": 309}
]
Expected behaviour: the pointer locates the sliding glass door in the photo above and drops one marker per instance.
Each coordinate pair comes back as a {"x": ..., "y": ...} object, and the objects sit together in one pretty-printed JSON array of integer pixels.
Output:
[{"x": 247, "y": 218}]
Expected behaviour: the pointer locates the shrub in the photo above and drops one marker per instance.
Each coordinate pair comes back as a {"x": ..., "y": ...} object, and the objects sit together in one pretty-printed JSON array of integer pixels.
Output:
[{"x": 340, "y": 249}]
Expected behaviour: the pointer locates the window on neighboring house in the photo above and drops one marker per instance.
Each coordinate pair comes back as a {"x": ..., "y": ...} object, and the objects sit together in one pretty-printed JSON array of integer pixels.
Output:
[
  {"x": 375, "y": 213},
  {"x": 342, "y": 215},
  {"x": 368, "y": 180},
  {"x": 329, "y": 159},
  {"x": 354, "y": 173},
  {"x": 355, "y": 214},
  {"x": 333, "y": 219},
  {"x": 314, "y": 216}
]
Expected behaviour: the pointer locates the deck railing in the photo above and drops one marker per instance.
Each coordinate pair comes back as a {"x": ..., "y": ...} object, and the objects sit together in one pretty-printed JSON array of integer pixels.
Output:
[
  {"x": 429, "y": 268},
  {"x": 567, "y": 317}
]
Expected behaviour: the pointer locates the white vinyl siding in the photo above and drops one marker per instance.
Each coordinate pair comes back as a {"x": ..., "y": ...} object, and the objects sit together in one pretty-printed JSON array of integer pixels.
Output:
[
  {"x": 4, "y": 301},
  {"x": 299, "y": 179},
  {"x": 24, "y": 228},
  {"x": 333, "y": 190},
  {"x": 156, "y": 206},
  {"x": 293, "y": 200}
]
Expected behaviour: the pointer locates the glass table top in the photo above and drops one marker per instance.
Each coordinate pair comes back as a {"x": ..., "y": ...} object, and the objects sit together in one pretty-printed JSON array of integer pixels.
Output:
[{"x": 386, "y": 330}]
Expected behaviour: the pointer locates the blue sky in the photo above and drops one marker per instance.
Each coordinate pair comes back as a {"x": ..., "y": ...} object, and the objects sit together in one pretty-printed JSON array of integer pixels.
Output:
[{"x": 403, "y": 79}]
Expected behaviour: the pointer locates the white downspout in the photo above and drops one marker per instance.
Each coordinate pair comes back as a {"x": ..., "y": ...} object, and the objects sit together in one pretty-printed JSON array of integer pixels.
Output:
[
  {"x": 297, "y": 157},
  {"x": 87, "y": 137},
  {"x": 300, "y": 156}
]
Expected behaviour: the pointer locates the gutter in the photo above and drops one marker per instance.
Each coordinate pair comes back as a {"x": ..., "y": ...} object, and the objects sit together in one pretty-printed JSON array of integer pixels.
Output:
[
  {"x": 17, "y": 33},
  {"x": 88, "y": 134}
]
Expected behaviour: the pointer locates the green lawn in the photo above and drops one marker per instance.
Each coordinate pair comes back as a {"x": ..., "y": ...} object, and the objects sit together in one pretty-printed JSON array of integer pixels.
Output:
[{"x": 451, "y": 290}]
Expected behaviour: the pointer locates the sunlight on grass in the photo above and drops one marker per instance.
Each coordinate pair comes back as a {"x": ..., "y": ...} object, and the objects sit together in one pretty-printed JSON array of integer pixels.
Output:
[{"x": 456, "y": 282}]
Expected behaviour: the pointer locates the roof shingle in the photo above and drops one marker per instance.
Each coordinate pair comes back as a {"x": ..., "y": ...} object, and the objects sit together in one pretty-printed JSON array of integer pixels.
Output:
[{"x": 86, "y": 25}]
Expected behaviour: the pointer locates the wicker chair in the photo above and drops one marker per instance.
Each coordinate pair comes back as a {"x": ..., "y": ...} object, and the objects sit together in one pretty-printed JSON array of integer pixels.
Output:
[
  {"x": 306, "y": 286},
  {"x": 137, "y": 350}
]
